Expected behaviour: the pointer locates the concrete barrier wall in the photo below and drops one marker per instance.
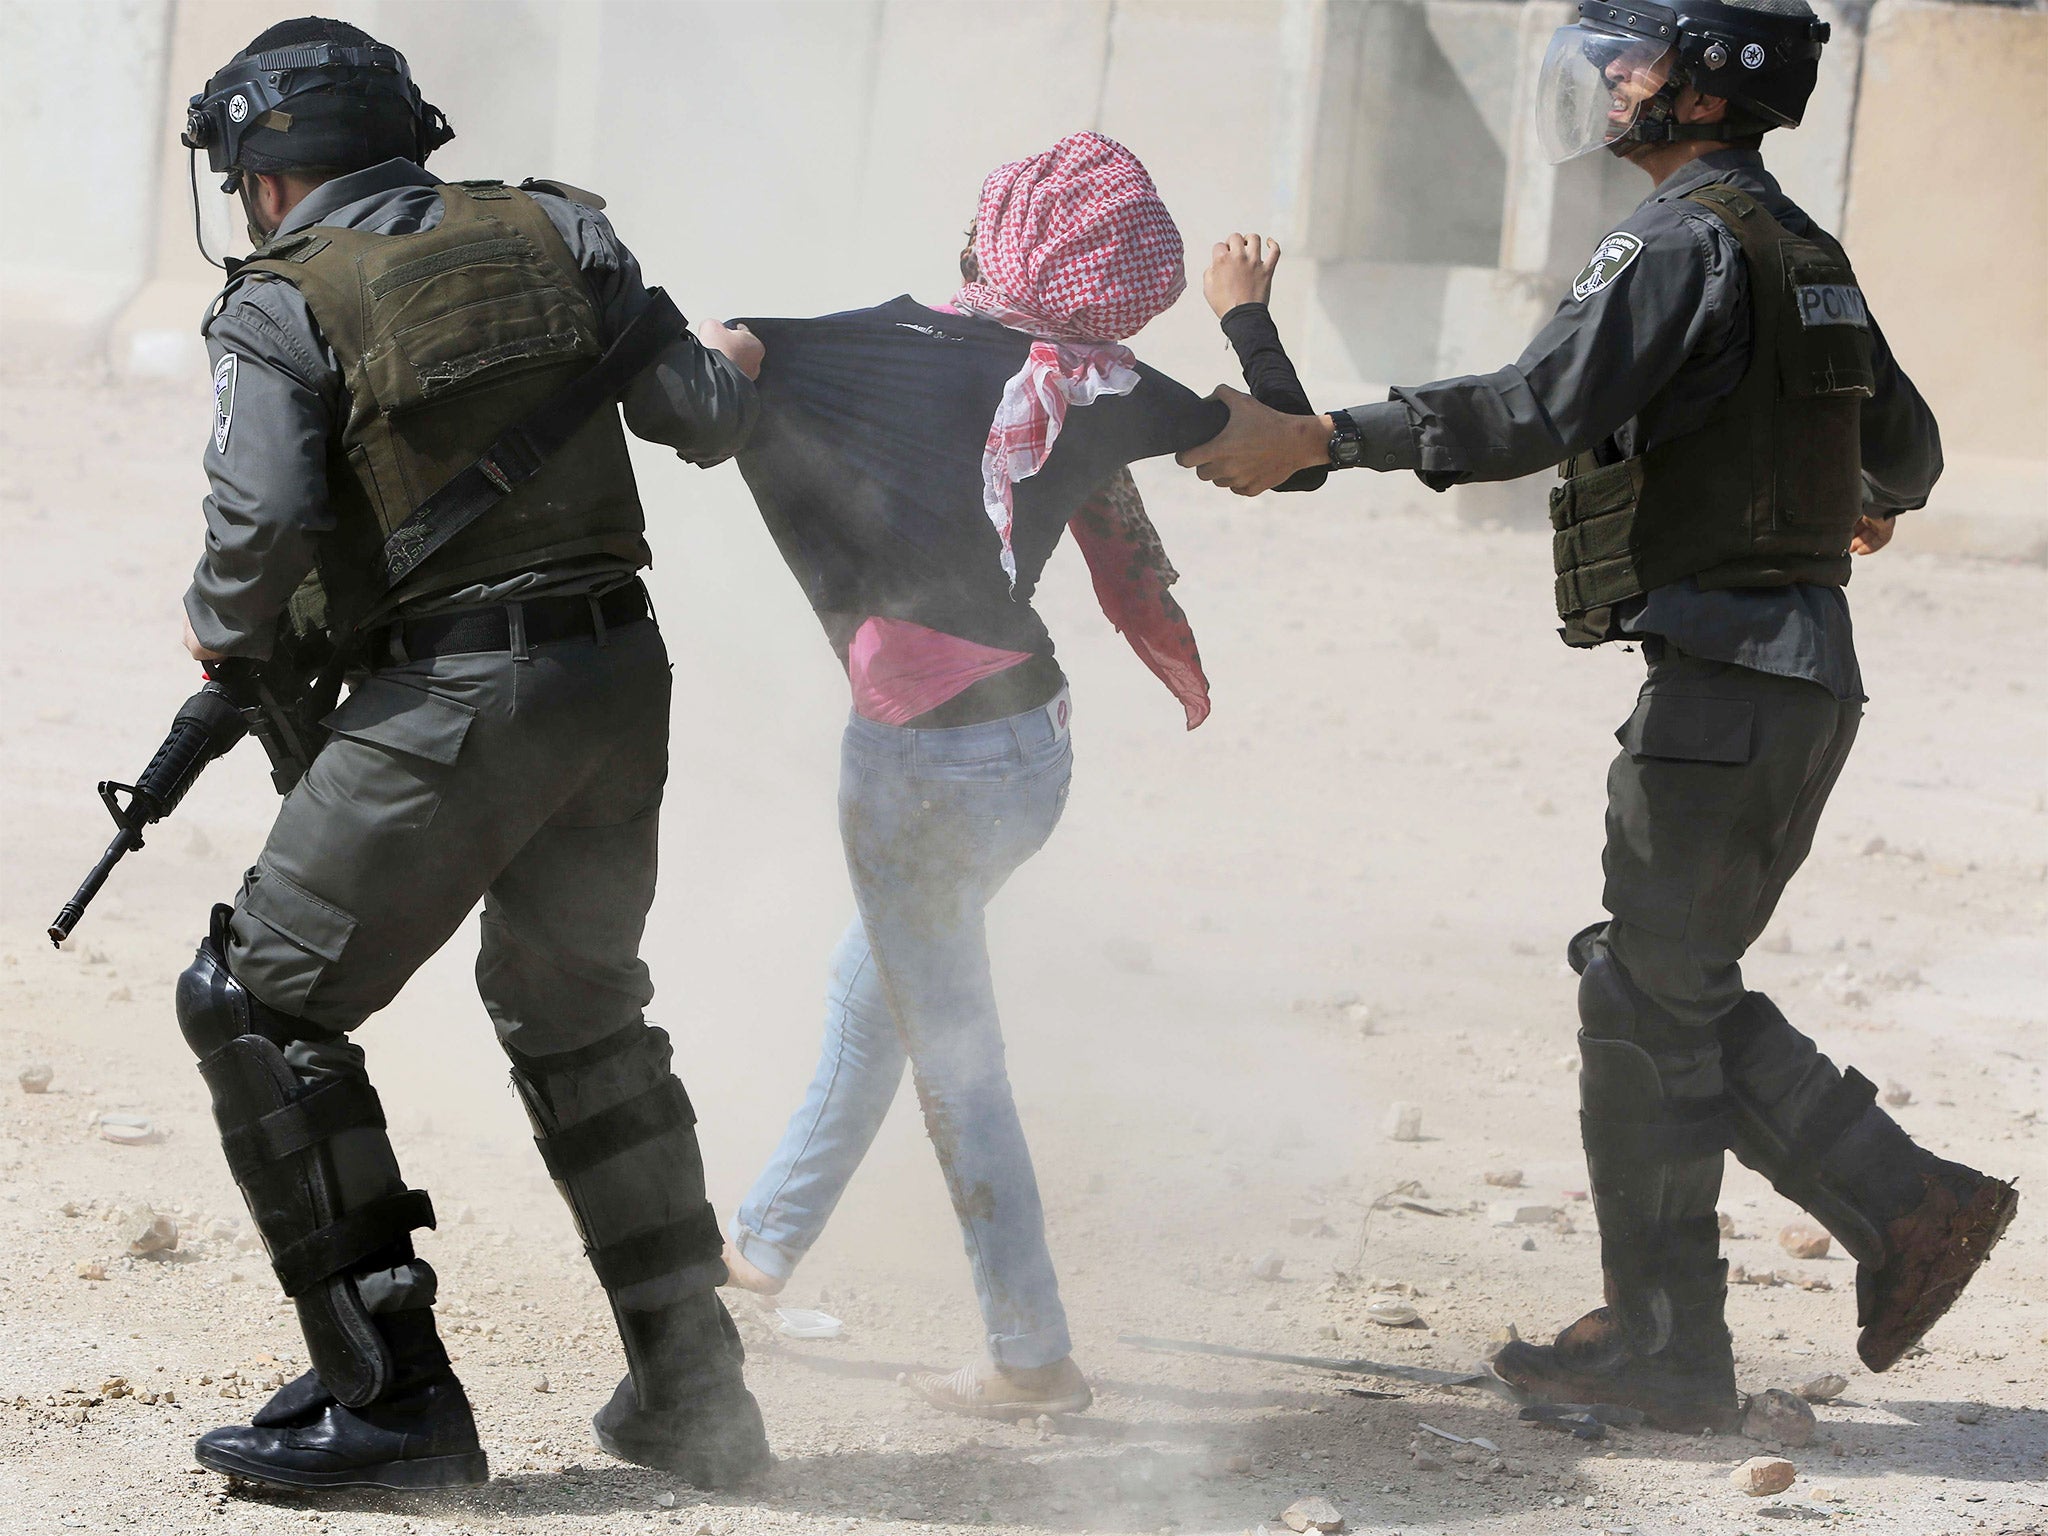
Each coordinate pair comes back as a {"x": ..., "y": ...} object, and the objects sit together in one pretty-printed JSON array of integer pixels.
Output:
[
  {"x": 792, "y": 156},
  {"x": 80, "y": 89},
  {"x": 1947, "y": 221}
]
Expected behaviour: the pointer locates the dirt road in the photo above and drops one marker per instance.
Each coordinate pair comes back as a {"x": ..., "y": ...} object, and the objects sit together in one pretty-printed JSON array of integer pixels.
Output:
[{"x": 1351, "y": 888}]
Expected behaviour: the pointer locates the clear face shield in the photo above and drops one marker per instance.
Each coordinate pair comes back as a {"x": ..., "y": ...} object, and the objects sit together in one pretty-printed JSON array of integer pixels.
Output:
[
  {"x": 1593, "y": 86},
  {"x": 219, "y": 222}
]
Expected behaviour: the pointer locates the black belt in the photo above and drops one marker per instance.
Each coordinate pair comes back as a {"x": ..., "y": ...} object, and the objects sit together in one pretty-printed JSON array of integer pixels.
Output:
[{"x": 541, "y": 619}]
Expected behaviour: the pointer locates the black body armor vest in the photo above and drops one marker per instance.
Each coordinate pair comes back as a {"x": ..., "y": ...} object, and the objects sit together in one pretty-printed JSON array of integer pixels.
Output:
[{"x": 1767, "y": 490}]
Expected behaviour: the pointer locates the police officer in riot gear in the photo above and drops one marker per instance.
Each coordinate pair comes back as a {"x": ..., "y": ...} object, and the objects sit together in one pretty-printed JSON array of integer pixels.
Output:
[
  {"x": 417, "y": 459},
  {"x": 1731, "y": 426}
]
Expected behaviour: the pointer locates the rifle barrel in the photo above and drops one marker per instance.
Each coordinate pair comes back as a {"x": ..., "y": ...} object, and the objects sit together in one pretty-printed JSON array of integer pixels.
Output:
[{"x": 67, "y": 919}]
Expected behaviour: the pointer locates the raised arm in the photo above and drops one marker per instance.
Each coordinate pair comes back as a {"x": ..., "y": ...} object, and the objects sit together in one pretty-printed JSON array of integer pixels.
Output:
[
  {"x": 1239, "y": 287},
  {"x": 1560, "y": 397}
]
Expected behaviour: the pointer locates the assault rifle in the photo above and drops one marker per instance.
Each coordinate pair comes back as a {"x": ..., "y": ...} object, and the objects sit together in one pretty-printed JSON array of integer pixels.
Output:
[
  {"x": 274, "y": 701},
  {"x": 281, "y": 702}
]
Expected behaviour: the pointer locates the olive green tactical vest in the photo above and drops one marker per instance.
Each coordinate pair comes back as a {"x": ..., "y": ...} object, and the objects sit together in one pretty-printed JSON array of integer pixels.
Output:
[
  {"x": 445, "y": 338},
  {"x": 1766, "y": 492}
]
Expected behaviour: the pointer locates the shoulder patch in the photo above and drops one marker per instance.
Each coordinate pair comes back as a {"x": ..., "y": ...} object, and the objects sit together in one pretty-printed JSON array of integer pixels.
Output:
[
  {"x": 1832, "y": 304},
  {"x": 223, "y": 401},
  {"x": 1608, "y": 263}
]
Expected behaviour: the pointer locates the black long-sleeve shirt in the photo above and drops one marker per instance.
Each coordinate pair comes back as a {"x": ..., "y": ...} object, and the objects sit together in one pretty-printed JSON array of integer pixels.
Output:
[{"x": 867, "y": 461}]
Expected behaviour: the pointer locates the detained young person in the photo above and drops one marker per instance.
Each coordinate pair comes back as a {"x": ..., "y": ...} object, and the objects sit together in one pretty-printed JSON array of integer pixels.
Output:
[{"x": 917, "y": 464}]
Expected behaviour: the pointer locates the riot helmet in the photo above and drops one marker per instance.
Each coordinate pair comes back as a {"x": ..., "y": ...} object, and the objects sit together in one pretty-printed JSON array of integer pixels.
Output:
[
  {"x": 1612, "y": 78},
  {"x": 308, "y": 94}
]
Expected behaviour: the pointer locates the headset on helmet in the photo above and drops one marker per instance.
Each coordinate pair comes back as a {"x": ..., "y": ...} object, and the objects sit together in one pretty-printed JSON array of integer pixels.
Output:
[
  {"x": 1761, "y": 56},
  {"x": 305, "y": 94}
]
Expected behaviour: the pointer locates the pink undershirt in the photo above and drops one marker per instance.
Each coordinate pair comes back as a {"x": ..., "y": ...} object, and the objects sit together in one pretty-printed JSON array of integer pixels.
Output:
[{"x": 900, "y": 670}]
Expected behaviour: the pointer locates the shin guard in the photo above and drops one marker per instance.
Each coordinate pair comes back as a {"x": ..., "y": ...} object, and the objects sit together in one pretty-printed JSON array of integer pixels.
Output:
[
  {"x": 618, "y": 1135},
  {"x": 278, "y": 1130},
  {"x": 1654, "y": 1161},
  {"x": 1815, "y": 1131}
]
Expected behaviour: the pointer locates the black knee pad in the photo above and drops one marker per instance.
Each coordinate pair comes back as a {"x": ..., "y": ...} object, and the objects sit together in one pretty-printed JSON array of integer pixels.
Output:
[
  {"x": 1613, "y": 1007},
  {"x": 1579, "y": 951},
  {"x": 214, "y": 1008}
]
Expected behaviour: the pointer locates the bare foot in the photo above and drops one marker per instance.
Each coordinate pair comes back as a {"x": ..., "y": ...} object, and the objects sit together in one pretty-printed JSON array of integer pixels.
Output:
[{"x": 747, "y": 1277}]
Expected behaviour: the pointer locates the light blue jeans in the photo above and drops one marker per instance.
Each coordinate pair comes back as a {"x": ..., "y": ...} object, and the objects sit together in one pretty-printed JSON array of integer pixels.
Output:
[{"x": 934, "y": 821}]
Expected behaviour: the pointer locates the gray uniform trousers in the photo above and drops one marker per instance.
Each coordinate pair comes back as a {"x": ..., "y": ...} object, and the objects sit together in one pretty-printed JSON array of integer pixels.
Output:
[
  {"x": 1711, "y": 809},
  {"x": 1712, "y": 806},
  {"x": 533, "y": 783}
]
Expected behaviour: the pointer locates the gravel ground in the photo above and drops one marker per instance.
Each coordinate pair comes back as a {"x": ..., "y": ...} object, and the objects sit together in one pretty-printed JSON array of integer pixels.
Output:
[{"x": 1350, "y": 889}]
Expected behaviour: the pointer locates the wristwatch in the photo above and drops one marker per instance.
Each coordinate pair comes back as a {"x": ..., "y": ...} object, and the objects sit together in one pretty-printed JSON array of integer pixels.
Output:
[{"x": 1347, "y": 443}]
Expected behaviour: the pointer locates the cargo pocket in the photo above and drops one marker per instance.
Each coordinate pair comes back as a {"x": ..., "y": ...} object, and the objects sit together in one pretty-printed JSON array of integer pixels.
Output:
[
  {"x": 1673, "y": 797},
  {"x": 1689, "y": 729},
  {"x": 294, "y": 938},
  {"x": 392, "y": 747},
  {"x": 386, "y": 713}
]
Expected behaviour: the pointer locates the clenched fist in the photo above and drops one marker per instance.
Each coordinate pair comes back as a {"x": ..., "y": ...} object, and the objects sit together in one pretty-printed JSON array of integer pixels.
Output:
[{"x": 1240, "y": 272}]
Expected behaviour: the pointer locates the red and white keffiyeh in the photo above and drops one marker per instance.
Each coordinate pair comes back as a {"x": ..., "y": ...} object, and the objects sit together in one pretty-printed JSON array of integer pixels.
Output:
[{"x": 1075, "y": 248}]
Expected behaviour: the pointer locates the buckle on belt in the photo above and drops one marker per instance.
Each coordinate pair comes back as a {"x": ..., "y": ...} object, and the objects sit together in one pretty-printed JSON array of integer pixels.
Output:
[{"x": 510, "y": 461}]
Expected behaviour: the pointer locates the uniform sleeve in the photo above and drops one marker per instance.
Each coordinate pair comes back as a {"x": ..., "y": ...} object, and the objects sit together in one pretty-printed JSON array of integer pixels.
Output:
[
  {"x": 691, "y": 398},
  {"x": 1605, "y": 352},
  {"x": 276, "y": 402},
  {"x": 1901, "y": 442}
]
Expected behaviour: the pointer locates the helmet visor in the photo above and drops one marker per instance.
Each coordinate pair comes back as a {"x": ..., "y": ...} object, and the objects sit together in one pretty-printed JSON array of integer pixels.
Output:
[
  {"x": 1593, "y": 86},
  {"x": 219, "y": 222}
]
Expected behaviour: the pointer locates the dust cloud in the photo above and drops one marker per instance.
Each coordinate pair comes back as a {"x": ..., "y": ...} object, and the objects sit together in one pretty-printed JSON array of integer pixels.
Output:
[{"x": 1243, "y": 945}]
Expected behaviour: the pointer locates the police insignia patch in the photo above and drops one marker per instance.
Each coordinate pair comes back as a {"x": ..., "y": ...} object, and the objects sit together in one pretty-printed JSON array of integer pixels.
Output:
[
  {"x": 223, "y": 402},
  {"x": 1831, "y": 304},
  {"x": 1608, "y": 263}
]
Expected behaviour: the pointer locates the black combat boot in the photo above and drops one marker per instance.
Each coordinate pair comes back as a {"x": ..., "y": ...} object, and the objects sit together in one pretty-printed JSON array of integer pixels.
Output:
[
  {"x": 1918, "y": 1225},
  {"x": 1654, "y": 1161},
  {"x": 1660, "y": 1348},
  {"x": 418, "y": 1434},
  {"x": 684, "y": 1406}
]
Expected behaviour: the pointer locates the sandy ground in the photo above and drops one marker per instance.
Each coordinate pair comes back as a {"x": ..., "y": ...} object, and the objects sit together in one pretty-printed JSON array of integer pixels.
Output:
[{"x": 1351, "y": 888}]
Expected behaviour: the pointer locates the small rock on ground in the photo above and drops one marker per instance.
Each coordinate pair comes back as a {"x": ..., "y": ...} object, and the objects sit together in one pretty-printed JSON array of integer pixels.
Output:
[
  {"x": 1804, "y": 1242},
  {"x": 1763, "y": 1475},
  {"x": 148, "y": 1231},
  {"x": 1403, "y": 1122},
  {"x": 1313, "y": 1513},
  {"x": 1781, "y": 1417}
]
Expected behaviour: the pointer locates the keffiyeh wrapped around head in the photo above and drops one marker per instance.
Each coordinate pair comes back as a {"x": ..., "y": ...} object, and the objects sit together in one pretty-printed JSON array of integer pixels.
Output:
[
  {"x": 1074, "y": 247},
  {"x": 1076, "y": 242}
]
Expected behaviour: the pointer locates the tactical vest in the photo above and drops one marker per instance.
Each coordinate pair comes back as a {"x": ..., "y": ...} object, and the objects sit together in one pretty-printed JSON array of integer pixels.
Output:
[
  {"x": 1767, "y": 490},
  {"x": 445, "y": 338}
]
